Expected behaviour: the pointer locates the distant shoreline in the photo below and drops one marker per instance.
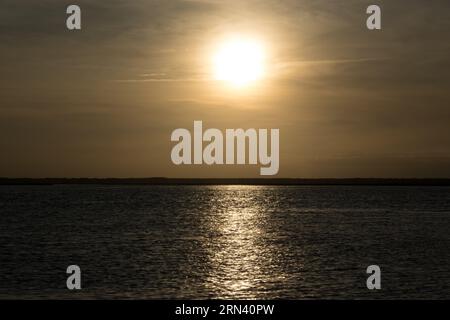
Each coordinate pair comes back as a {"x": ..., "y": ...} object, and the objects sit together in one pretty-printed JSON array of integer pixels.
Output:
[{"x": 227, "y": 181}]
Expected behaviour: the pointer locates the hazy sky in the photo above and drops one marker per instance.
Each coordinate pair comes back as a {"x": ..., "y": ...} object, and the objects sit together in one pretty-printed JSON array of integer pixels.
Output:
[{"x": 103, "y": 101}]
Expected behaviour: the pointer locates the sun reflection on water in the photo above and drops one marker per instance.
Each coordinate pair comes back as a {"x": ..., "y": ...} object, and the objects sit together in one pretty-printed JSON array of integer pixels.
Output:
[{"x": 243, "y": 263}]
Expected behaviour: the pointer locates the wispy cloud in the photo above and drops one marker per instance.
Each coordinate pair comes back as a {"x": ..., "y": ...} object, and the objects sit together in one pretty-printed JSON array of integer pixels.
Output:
[
  {"x": 162, "y": 80},
  {"x": 165, "y": 77},
  {"x": 301, "y": 63}
]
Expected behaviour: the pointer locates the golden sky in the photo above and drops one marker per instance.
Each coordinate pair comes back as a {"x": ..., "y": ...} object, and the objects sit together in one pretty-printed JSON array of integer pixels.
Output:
[{"x": 103, "y": 101}]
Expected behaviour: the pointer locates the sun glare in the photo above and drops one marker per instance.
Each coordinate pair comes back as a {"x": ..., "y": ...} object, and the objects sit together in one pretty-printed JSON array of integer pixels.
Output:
[{"x": 239, "y": 62}]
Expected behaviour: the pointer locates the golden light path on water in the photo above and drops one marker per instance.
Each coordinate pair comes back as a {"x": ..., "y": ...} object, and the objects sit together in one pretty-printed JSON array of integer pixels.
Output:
[{"x": 243, "y": 264}]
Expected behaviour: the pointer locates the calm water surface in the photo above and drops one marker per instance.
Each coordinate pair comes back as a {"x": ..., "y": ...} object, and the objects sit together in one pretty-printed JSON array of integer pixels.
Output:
[{"x": 256, "y": 242}]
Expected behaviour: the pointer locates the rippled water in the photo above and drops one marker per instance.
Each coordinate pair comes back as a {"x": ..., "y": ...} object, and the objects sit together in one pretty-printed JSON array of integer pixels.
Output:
[{"x": 200, "y": 242}]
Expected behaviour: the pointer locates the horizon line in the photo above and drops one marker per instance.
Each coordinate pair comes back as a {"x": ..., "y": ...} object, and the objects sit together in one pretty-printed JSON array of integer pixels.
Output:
[{"x": 227, "y": 181}]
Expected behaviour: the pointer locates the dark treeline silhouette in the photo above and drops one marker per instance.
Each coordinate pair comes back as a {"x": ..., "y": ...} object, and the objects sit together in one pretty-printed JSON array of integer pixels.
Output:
[{"x": 226, "y": 181}]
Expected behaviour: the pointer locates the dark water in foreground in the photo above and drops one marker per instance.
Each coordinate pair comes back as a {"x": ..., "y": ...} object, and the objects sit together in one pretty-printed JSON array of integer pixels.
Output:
[{"x": 224, "y": 241}]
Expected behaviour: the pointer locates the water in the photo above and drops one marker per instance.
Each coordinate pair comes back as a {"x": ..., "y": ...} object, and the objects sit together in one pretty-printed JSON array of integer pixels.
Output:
[{"x": 233, "y": 242}]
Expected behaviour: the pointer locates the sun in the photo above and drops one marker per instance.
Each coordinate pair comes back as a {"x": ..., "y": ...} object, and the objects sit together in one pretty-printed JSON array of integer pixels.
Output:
[{"x": 239, "y": 61}]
